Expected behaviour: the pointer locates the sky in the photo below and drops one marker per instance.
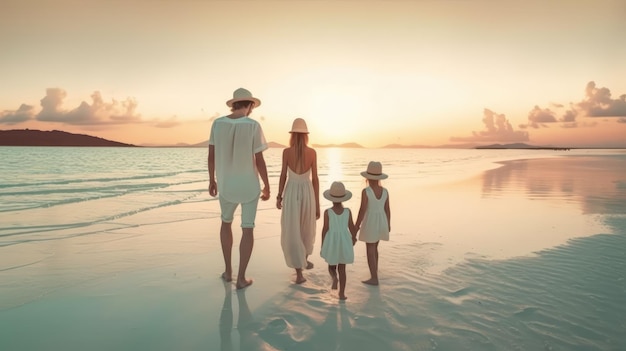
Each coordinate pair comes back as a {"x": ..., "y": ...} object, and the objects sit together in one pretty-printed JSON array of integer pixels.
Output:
[{"x": 431, "y": 72}]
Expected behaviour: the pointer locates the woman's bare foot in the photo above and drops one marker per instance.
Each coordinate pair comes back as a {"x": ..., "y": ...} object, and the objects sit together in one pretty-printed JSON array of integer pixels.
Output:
[
  {"x": 343, "y": 297},
  {"x": 335, "y": 282},
  {"x": 300, "y": 280},
  {"x": 241, "y": 284},
  {"x": 370, "y": 281},
  {"x": 309, "y": 265},
  {"x": 227, "y": 277}
]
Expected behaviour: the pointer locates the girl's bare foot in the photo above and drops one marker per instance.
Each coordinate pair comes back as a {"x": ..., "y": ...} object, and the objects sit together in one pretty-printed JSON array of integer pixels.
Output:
[
  {"x": 335, "y": 282},
  {"x": 300, "y": 280},
  {"x": 241, "y": 284},
  {"x": 343, "y": 297},
  {"x": 309, "y": 264},
  {"x": 371, "y": 281},
  {"x": 227, "y": 277}
]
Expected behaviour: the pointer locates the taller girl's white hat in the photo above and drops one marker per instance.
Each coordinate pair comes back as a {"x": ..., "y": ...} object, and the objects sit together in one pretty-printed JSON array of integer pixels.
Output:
[{"x": 374, "y": 171}]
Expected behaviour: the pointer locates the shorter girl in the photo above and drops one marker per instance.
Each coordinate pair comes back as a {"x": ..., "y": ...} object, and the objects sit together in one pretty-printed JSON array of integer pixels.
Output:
[
  {"x": 338, "y": 236},
  {"x": 375, "y": 216}
]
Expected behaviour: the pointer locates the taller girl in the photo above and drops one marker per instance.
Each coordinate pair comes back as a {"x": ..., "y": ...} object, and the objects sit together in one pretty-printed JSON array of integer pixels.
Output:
[
  {"x": 374, "y": 219},
  {"x": 300, "y": 201}
]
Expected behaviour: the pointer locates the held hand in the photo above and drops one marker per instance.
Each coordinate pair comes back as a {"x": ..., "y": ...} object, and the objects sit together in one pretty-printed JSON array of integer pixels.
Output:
[
  {"x": 353, "y": 240},
  {"x": 212, "y": 188},
  {"x": 265, "y": 193}
]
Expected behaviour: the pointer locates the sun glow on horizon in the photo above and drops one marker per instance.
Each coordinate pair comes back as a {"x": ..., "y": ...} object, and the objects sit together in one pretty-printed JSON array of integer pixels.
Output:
[{"x": 335, "y": 113}]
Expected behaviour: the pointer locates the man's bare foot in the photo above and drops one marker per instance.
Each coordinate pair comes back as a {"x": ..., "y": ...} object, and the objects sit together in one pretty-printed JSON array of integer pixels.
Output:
[
  {"x": 241, "y": 284},
  {"x": 227, "y": 277},
  {"x": 300, "y": 280},
  {"x": 309, "y": 265},
  {"x": 343, "y": 297},
  {"x": 370, "y": 281},
  {"x": 335, "y": 282}
]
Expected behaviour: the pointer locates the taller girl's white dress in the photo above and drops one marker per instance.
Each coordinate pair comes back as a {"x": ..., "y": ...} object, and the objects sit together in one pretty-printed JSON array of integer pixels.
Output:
[
  {"x": 297, "y": 219},
  {"x": 337, "y": 246},
  {"x": 375, "y": 226}
]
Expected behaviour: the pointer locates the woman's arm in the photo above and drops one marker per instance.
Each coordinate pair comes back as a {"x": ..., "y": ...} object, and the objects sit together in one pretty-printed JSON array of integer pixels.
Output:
[
  {"x": 282, "y": 181},
  {"x": 211, "y": 164}
]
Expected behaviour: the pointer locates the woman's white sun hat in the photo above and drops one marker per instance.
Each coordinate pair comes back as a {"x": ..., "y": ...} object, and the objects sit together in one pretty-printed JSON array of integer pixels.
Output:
[
  {"x": 299, "y": 126},
  {"x": 374, "y": 171},
  {"x": 242, "y": 94},
  {"x": 337, "y": 193}
]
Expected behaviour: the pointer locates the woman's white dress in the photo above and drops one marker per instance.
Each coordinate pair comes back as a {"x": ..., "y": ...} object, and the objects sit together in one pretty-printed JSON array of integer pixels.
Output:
[
  {"x": 337, "y": 246},
  {"x": 297, "y": 219},
  {"x": 375, "y": 226}
]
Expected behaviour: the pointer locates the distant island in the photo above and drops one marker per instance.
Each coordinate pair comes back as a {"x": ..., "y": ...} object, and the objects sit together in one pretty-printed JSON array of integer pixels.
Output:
[{"x": 28, "y": 137}]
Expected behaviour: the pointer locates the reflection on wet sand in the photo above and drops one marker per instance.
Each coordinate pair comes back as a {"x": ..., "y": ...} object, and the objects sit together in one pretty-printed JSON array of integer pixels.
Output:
[
  {"x": 245, "y": 325},
  {"x": 598, "y": 184}
]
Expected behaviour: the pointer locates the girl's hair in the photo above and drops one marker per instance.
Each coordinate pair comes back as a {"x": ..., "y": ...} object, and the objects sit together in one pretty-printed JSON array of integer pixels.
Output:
[
  {"x": 368, "y": 181},
  {"x": 299, "y": 142}
]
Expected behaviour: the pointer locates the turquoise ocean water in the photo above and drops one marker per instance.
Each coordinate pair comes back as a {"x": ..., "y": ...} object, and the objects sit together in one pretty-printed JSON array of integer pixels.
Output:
[{"x": 567, "y": 296}]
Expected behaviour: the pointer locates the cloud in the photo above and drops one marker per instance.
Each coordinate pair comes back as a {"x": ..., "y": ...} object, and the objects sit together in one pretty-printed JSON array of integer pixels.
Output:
[
  {"x": 598, "y": 103},
  {"x": 98, "y": 112},
  {"x": 497, "y": 128},
  {"x": 538, "y": 116},
  {"x": 22, "y": 114}
]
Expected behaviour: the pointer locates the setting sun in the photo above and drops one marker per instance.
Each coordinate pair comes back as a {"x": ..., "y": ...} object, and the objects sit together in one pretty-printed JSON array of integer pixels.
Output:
[{"x": 336, "y": 113}]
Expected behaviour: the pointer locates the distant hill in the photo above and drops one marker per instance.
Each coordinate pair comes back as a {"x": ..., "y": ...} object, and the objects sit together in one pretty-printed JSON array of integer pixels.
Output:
[
  {"x": 346, "y": 145},
  {"x": 28, "y": 137}
]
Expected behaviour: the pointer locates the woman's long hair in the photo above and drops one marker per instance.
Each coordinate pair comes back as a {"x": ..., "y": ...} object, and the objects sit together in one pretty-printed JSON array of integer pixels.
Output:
[{"x": 299, "y": 142}]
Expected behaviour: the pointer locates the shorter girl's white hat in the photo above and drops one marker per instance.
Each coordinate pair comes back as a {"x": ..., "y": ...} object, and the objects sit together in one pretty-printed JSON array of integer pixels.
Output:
[
  {"x": 242, "y": 94},
  {"x": 299, "y": 126},
  {"x": 337, "y": 193},
  {"x": 374, "y": 171}
]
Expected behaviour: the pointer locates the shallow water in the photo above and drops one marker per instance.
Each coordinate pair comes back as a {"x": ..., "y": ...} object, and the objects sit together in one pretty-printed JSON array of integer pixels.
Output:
[{"x": 114, "y": 252}]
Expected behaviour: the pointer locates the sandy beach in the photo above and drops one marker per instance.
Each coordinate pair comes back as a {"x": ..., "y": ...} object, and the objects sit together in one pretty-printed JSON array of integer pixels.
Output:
[{"x": 530, "y": 255}]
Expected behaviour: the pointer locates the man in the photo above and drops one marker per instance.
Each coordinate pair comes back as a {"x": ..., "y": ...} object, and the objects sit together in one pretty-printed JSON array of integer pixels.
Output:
[{"x": 236, "y": 148}]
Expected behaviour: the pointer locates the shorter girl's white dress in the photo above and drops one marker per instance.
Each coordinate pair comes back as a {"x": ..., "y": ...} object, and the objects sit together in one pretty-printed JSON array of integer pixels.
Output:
[
  {"x": 375, "y": 226},
  {"x": 337, "y": 247}
]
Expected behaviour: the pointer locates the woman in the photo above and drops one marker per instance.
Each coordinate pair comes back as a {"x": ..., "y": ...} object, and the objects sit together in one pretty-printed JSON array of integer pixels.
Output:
[{"x": 300, "y": 200}]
